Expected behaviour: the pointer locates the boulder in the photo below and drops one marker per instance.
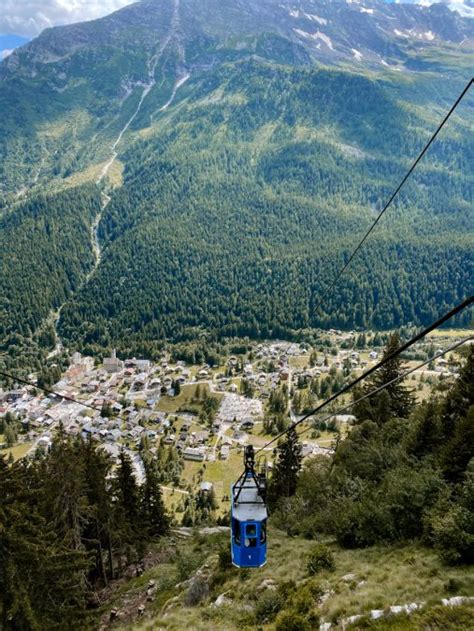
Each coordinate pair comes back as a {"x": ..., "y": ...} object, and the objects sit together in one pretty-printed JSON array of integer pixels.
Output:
[
  {"x": 375, "y": 614},
  {"x": 348, "y": 578},
  {"x": 221, "y": 600}
]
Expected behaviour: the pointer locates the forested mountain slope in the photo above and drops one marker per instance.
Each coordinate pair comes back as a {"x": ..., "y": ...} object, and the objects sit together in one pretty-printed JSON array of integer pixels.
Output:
[
  {"x": 254, "y": 144},
  {"x": 46, "y": 254},
  {"x": 237, "y": 226}
]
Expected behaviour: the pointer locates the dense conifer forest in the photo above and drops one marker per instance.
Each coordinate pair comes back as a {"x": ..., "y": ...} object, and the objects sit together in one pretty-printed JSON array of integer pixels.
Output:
[
  {"x": 67, "y": 528},
  {"x": 235, "y": 217},
  {"x": 45, "y": 255}
]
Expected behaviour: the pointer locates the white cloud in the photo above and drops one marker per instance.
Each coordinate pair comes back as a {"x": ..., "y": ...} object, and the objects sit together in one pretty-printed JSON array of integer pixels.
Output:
[
  {"x": 5, "y": 52},
  {"x": 30, "y": 17}
]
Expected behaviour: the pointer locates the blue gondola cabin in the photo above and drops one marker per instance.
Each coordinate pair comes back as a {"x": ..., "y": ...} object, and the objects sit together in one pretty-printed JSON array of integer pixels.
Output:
[{"x": 249, "y": 523}]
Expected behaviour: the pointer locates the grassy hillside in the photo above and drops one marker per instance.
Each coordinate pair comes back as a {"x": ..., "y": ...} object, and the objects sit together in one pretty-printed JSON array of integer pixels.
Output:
[{"x": 361, "y": 581}]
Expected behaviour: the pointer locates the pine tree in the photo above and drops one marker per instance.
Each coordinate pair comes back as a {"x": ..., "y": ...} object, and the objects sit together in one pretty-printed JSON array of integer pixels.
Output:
[
  {"x": 10, "y": 435},
  {"x": 127, "y": 526},
  {"x": 154, "y": 517},
  {"x": 65, "y": 501},
  {"x": 458, "y": 423},
  {"x": 396, "y": 400},
  {"x": 41, "y": 586},
  {"x": 21, "y": 547},
  {"x": 97, "y": 535},
  {"x": 287, "y": 467}
]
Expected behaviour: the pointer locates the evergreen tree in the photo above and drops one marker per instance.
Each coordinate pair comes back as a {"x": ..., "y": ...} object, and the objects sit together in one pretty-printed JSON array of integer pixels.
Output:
[
  {"x": 97, "y": 535},
  {"x": 128, "y": 526},
  {"x": 21, "y": 548},
  {"x": 426, "y": 435},
  {"x": 65, "y": 500},
  {"x": 41, "y": 577},
  {"x": 286, "y": 469},
  {"x": 154, "y": 517},
  {"x": 395, "y": 401},
  {"x": 458, "y": 423},
  {"x": 10, "y": 435}
]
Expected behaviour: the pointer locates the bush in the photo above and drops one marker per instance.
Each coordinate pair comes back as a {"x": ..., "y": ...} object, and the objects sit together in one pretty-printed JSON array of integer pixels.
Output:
[
  {"x": 452, "y": 526},
  {"x": 186, "y": 564},
  {"x": 197, "y": 590},
  {"x": 268, "y": 605},
  {"x": 225, "y": 558},
  {"x": 306, "y": 597},
  {"x": 291, "y": 621},
  {"x": 446, "y": 618},
  {"x": 453, "y": 585},
  {"x": 286, "y": 589},
  {"x": 320, "y": 558}
]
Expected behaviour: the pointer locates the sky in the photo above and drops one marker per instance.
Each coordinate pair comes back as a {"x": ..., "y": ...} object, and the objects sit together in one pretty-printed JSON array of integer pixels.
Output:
[{"x": 29, "y": 17}]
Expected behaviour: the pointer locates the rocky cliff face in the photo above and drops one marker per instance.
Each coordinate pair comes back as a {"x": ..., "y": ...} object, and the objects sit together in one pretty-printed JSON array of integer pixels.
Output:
[{"x": 367, "y": 32}]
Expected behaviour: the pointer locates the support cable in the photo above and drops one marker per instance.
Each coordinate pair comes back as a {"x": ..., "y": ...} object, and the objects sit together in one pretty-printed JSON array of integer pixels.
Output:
[
  {"x": 460, "y": 307},
  {"x": 389, "y": 383},
  {"x": 395, "y": 193}
]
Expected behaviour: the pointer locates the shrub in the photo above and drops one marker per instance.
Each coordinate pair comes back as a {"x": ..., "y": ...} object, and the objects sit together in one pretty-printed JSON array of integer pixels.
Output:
[
  {"x": 320, "y": 558},
  {"x": 268, "y": 605},
  {"x": 286, "y": 589},
  {"x": 446, "y": 618},
  {"x": 291, "y": 621},
  {"x": 225, "y": 558},
  {"x": 197, "y": 590},
  {"x": 453, "y": 585},
  {"x": 186, "y": 564},
  {"x": 452, "y": 526},
  {"x": 306, "y": 597}
]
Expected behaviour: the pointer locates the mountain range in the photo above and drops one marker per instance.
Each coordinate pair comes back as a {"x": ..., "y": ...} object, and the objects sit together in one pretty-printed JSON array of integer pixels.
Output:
[{"x": 225, "y": 155}]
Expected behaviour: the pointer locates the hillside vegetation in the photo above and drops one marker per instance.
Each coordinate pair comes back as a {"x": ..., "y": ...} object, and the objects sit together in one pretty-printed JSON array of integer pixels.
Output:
[
  {"x": 45, "y": 255},
  {"x": 236, "y": 215}
]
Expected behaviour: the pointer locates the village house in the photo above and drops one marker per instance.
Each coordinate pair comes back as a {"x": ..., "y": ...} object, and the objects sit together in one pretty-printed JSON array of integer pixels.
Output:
[
  {"x": 197, "y": 454},
  {"x": 45, "y": 442},
  {"x": 92, "y": 386},
  {"x": 12, "y": 396},
  {"x": 114, "y": 435},
  {"x": 199, "y": 438},
  {"x": 224, "y": 452},
  {"x": 143, "y": 365}
]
